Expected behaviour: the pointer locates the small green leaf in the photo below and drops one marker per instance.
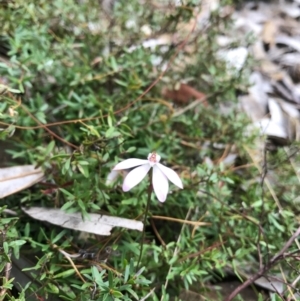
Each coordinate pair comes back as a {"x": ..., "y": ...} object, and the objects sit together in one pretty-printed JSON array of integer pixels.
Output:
[
  {"x": 105, "y": 157},
  {"x": 66, "y": 166},
  {"x": 5, "y": 247},
  {"x": 113, "y": 63},
  {"x": 95, "y": 272},
  {"x": 49, "y": 148},
  {"x": 131, "y": 149},
  {"x": 131, "y": 266},
  {"x": 126, "y": 274},
  {"x": 7, "y": 284},
  {"x": 109, "y": 121},
  {"x": 67, "y": 205},
  {"x": 275, "y": 223},
  {"x": 67, "y": 193},
  {"x": 84, "y": 170},
  {"x": 133, "y": 293},
  {"x": 65, "y": 274},
  {"x": 116, "y": 294},
  {"x": 106, "y": 297},
  {"x": 109, "y": 132},
  {"x": 53, "y": 288},
  {"x": 94, "y": 131},
  {"x": 14, "y": 90},
  {"x": 83, "y": 163},
  {"x": 121, "y": 83},
  {"x": 59, "y": 236},
  {"x": 27, "y": 230},
  {"x": 257, "y": 204},
  {"x": 123, "y": 119},
  {"x": 15, "y": 243},
  {"x": 139, "y": 272},
  {"x": 110, "y": 279}
]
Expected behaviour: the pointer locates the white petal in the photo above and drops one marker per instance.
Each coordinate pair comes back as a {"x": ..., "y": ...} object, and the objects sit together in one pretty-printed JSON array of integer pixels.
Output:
[
  {"x": 135, "y": 176},
  {"x": 129, "y": 163},
  {"x": 112, "y": 177},
  {"x": 160, "y": 184},
  {"x": 171, "y": 175}
]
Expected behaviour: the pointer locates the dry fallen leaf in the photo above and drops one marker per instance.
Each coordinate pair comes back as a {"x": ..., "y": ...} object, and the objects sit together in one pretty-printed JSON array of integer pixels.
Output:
[
  {"x": 183, "y": 95},
  {"x": 97, "y": 224},
  {"x": 268, "y": 33},
  {"x": 17, "y": 178},
  {"x": 235, "y": 58},
  {"x": 272, "y": 102}
]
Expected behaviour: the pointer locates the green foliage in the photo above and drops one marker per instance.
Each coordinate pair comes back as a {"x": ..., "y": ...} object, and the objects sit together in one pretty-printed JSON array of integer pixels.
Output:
[{"x": 72, "y": 103}]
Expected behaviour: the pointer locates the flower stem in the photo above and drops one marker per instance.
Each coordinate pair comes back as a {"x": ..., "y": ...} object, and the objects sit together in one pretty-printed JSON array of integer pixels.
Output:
[{"x": 150, "y": 189}]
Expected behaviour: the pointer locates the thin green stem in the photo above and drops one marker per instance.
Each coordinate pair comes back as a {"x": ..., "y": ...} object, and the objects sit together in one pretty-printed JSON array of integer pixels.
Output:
[{"x": 150, "y": 189}]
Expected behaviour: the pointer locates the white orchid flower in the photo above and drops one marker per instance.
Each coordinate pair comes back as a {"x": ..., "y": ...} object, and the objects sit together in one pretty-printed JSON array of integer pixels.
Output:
[{"x": 160, "y": 175}]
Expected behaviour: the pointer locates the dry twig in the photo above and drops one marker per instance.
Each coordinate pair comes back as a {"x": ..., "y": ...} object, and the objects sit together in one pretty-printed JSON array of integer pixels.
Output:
[{"x": 274, "y": 260}]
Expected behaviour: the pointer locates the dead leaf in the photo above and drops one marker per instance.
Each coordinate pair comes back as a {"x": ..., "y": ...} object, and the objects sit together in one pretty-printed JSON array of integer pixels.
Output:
[
  {"x": 290, "y": 9},
  {"x": 17, "y": 178},
  {"x": 97, "y": 224},
  {"x": 183, "y": 95},
  {"x": 279, "y": 126},
  {"x": 269, "y": 33},
  {"x": 271, "y": 283},
  {"x": 293, "y": 43},
  {"x": 291, "y": 62},
  {"x": 162, "y": 40}
]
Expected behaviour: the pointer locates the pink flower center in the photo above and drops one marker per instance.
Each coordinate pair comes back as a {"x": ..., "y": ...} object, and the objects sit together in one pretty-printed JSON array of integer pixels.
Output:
[{"x": 152, "y": 157}]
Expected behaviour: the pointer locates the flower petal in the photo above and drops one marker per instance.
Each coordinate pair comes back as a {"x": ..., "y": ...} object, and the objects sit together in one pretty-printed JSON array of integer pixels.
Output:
[
  {"x": 135, "y": 176},
  {"x": 171, "y": 175},
  {"x": 160, "y": 184},
  {"x": 112, "y": 177},
  {"x": 129, "y": 163}
]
